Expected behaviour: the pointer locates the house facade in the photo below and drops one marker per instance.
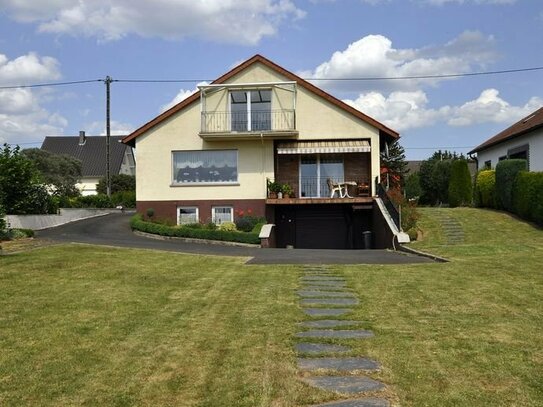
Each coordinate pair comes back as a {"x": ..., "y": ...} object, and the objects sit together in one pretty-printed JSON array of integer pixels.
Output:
[
  {"x": 213, "y": 157},
  {"x": 91, "y": 151},
  {"x": 523, "y": 139}
]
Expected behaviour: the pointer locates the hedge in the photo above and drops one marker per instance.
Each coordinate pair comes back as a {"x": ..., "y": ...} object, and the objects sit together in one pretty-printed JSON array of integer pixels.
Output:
[
  {"x": 527, "y": 199},
  {"x": 506, "y": 172},
  {"x": 485, "y": 189},
  {"x": 460, "y": 188},
  {"x": 137, "y": 223}
]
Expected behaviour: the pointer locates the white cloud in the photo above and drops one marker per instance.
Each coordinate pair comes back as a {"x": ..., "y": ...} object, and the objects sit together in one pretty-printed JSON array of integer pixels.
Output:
[
  {"x": 181, "y": 95},
  {"x": 374, "y": 56},
  {"x": 27, "y": 68},
  {"x": 23, "y": 119},
  {"x": 245, "y": 22},
  {"x": 408, "y": 110}
]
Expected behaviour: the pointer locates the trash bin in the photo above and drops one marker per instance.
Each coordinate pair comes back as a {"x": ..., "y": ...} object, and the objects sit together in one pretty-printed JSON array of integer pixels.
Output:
[{"x": 367, "y": 239}]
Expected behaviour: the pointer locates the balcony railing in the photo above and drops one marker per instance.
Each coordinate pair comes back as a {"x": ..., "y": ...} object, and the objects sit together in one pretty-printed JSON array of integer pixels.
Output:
[
  {"x": 317, "y": 187},
  {"x": 256, "y": 121}
]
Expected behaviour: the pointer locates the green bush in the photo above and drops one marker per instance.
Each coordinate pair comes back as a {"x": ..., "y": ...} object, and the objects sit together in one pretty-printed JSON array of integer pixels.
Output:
[
  {"x": 460, "y": 186},
  {"x": 412, "y": 187},
  {"x": 527, "y": 199},
  {"x": 228, "y": 226},
  {"x": 126, "y": 199},
  {"x": 258, "y": 227},
  {"x": 119, "y": 183},
  {"x": 3, "y": 224},
  {"x": 247, "y": 223},
  {"x": 92, "y": 201},
  {"x": 485, "y": 189},
  {"x": 137, "y": 223},
  {"x": 506, "y": 172}
]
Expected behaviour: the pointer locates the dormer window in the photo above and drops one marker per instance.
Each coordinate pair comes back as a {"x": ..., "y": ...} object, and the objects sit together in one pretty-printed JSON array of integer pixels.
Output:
[{"x": 250, "y": 110}]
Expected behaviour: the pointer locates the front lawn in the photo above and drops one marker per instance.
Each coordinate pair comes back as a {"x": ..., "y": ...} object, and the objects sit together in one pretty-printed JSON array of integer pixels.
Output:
[{"x": 85, "y": 325}]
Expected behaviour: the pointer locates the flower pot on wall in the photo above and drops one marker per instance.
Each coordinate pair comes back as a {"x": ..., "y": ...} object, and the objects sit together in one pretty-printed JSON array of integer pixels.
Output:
[{"x": 280, "y": 195}]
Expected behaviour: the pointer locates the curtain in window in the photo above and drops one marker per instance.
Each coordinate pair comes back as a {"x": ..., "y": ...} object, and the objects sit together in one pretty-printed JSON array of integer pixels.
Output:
[{"x": 205, "y": 166}]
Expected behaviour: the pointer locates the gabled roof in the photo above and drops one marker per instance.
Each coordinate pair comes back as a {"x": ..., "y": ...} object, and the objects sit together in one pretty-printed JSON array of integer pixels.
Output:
[
  {"x": 383, "y": 130},
  {"x": 92, "y": 154},
  {"x": 523, "y": 126}
]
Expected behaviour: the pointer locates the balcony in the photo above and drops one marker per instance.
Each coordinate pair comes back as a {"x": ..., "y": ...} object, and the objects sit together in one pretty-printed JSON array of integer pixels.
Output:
[
  {"x": 317, "y": 190},
  {"x": 274, "y": 124}
]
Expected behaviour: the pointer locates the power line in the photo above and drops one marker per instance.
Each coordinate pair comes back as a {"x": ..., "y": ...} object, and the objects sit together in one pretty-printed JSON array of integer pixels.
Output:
[
  {"x": 433, "y": 148},
  {"x": 41, "y": 85},
  {"x": 353, "y": 79}
]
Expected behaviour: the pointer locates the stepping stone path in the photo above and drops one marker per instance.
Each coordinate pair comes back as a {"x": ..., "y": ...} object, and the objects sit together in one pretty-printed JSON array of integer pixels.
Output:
[
  {"x": 451, "y": 228},
  {"x": 324, "y": 294}
]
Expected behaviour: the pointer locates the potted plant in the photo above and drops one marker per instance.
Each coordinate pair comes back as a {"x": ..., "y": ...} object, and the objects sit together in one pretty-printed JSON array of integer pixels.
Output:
[
  {"x": 286, "y": 189},
  {"x": 274, "y": 188}
]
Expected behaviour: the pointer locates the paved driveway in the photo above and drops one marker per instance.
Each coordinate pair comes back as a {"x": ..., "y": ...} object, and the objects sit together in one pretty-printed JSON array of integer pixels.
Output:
[{"x": 114, "y": 230}]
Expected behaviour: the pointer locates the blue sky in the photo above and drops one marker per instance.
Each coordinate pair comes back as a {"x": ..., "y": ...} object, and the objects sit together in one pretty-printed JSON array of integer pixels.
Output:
[{"x": 69, "y": 40}]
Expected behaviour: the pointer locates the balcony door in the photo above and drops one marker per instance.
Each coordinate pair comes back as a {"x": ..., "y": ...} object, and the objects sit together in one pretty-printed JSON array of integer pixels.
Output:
[
  {"x": 315, "y": 169},
  {"x": 250, "y": 110}
]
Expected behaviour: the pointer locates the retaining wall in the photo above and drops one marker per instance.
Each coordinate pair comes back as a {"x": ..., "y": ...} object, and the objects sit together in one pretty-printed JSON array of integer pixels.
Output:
[{"x": 39, "y": 222}]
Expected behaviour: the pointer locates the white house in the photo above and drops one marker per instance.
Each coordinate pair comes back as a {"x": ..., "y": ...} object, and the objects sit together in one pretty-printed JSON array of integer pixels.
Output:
[{"x": 523, "y": 139}]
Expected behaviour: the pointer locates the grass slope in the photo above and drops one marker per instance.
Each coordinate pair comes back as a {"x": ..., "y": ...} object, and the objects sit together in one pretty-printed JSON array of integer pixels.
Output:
[{"x": 84, "y": 325}]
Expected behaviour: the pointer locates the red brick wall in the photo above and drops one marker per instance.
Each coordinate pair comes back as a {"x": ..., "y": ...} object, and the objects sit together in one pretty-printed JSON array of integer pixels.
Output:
[
  {"x": 287, "y": 171},
  {"x": 168, "y": 209}
]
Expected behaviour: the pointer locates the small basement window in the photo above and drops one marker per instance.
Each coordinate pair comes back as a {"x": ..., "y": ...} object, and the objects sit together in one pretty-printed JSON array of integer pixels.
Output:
[
  {"x": 187, "y": 214},
  {"x": 488, "y": 165},
  {"x": 221, "y": 214}
]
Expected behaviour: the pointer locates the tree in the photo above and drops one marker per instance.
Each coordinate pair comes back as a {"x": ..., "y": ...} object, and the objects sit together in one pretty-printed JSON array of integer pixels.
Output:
[
  {"x": 412, "y": 187},
  {"x": 119, "y": 183},
  {"x": 460, "y": 184},
  {"x": 61, "y": 171},
  {"x": 434, "y": 176},
  {"x": 20, "y": 189},
  {"x": 395, "y": 164}
]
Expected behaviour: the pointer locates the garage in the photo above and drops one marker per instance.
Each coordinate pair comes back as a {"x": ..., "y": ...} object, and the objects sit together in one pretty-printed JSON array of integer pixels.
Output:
[{"x": 332, "y": 226}]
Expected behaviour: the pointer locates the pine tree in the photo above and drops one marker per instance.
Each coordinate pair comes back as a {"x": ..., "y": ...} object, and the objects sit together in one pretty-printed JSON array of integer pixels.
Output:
[{"x": 395, "y": 164}]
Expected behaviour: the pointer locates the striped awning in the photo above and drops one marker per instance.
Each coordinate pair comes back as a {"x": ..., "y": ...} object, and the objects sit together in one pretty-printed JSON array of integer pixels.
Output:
[{"x": 313, "y": 147}]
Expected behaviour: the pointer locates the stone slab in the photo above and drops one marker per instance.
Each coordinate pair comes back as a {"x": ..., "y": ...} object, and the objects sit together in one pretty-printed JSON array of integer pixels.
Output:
[
  {"x": 328, "y": 323},
  {"x": 335, "y": 333},
  {"x": 338, "y": 364},
  {"x": 321, "y": 294},
  {"x": 322, "y": 278},
  {"x": 319, "y": 348},
  {"x": 324, "y": 312},
  {"x": 344, "y": 384},
  {"x": 363, "y": 402},
  {"x": 329, "y": 301},
  {"x": 310, "y": 287},
  {"x": 325, "y": 283}
]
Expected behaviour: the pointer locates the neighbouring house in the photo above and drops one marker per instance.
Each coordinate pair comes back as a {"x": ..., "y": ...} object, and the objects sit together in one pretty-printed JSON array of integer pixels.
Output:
[
  {"x": 212, "y": 156},
  {"x": 91, "y": 151},
  {"x": 524, "y": 140}
]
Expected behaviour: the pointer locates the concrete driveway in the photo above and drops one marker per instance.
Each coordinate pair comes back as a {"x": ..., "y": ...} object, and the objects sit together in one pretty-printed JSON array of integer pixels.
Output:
[{"x": 114, "y": 230}]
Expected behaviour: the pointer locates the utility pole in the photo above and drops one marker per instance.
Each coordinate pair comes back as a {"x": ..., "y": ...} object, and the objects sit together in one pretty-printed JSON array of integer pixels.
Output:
[{"x": 108, "y": 81}]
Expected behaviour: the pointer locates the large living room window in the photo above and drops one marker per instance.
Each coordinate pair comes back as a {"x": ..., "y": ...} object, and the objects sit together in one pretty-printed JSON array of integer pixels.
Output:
[
  {"x": 250, "y": 110},
  {"x": 205, "y": 167}
]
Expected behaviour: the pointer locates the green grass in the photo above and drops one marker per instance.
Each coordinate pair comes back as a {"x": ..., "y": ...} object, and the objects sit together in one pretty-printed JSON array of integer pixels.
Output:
[{"x": 84, "y": 325}]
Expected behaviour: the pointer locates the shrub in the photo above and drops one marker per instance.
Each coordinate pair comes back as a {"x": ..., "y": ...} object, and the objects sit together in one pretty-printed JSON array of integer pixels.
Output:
[
  {"x": 150, "y": 212},
  {"x": 3, "y": 224},
  {"x": 460, "y": 187},
  {"x": 258, "y": 227},
  {"x": 527, "y": 199},
  {"x": 227, "y": 226},
  {"x": 485, "y": 189},
  {"x": 247, "y": 223},
  {"x": 119, "y": 183},
  {"x": 92, "y": 201},
  {"x": 125, "y": 198},
  {"x": 412, "y": 187},
  {"x": 506, "y": 172},
  {"x": 137, "y": 223}
]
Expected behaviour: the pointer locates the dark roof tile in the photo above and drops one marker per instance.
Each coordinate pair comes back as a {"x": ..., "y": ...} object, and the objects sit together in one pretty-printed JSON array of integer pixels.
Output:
[{"x": 92, "y": 154}]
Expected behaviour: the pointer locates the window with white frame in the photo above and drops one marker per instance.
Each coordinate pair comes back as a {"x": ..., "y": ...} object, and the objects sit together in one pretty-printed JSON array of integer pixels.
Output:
[
  {"x": 250, "y": 110},
  {"x": 221, "y": 214},
  {"x": 205, "y": 166},
  {"x": 187, "y": 214}
]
